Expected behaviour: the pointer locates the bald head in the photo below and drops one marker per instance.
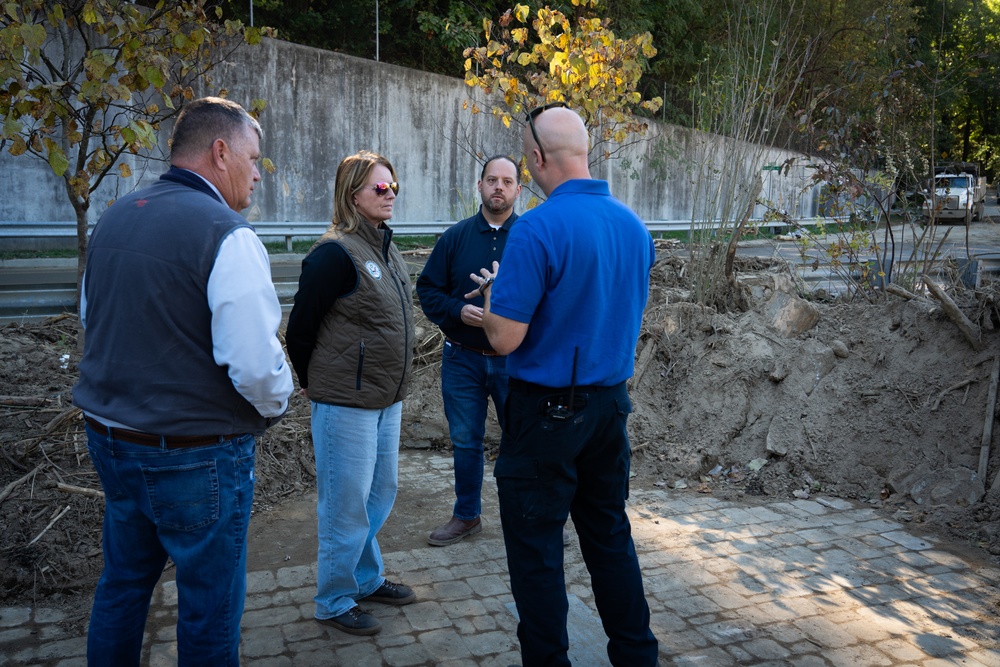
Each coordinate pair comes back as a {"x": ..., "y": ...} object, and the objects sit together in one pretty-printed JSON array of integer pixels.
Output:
[{"x": 565, "y": 144}]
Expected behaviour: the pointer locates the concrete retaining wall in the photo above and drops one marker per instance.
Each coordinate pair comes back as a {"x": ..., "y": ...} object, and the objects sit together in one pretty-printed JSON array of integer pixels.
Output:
[{"x": 323, "y": 106}]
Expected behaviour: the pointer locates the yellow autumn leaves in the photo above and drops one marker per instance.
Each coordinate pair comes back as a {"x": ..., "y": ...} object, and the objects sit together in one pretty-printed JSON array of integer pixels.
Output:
[{"x": 581, "y": 62}]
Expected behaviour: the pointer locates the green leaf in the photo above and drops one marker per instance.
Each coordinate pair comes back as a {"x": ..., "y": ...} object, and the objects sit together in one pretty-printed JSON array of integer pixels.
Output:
[
  {"x": 252, "y": 35},
  {"x": 90, "y": 90},
  {"x": 11, "y": 126},
  {"x": 57, "y": 158},
  {"x": 154, "y": 76},
  {"x": 33, "y": 35}
]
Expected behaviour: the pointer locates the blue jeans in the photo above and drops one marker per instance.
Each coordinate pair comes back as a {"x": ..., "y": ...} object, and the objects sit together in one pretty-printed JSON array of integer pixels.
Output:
[
  {"x": 468, "y": 380},
  {"x": 192, "y": 505},
  {"x": 357, "y": 464},
  {"x": 549, "y": 468}
]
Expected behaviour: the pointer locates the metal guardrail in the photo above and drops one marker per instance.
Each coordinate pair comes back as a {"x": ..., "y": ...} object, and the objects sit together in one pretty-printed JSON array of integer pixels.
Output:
[
  {"x": 289, "y": 231},
  {"x": 33, "y": 289},
  {"x": 48, "y": 229},
  {"x": 37, "y": 288}
]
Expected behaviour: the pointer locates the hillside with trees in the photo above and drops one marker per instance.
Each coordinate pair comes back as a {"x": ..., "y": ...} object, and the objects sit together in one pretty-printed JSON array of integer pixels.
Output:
[{"x": 899, "y": 76}]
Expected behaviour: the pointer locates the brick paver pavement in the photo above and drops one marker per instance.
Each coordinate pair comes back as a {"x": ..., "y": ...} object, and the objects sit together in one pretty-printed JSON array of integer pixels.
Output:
[{"x": 804, "y": 583}]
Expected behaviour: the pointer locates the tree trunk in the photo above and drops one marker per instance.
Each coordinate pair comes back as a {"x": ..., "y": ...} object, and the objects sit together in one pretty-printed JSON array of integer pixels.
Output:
[{"x": 80, "y": 207}]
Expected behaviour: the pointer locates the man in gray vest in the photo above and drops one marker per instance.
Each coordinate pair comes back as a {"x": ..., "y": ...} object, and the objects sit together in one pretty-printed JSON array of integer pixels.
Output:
[{"x": 181, "y": 370}]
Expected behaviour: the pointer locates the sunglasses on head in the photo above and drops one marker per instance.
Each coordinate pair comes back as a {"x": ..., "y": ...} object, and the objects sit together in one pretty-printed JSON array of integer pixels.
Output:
[
  {"x": 537, "y": 111},
  {"x": 381, "y": 188}
]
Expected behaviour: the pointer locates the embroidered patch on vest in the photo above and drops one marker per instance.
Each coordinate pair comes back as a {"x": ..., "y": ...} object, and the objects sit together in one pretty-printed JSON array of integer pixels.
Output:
[{"x": 373, "y": 269}]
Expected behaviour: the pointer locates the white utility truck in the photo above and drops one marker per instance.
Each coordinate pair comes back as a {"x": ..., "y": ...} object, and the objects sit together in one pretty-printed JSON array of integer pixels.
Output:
[{"x": 959, "y": 194}]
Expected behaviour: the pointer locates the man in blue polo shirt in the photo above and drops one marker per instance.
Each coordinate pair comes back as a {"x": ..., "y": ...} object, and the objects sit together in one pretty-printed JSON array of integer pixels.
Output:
[
  {"x": 566, "y": 308},
  {"x": 471, "y": 371}
]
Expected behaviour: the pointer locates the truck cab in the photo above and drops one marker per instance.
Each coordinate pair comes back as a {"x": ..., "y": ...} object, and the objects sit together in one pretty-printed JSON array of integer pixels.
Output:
[{"x": 957, "y": 193}]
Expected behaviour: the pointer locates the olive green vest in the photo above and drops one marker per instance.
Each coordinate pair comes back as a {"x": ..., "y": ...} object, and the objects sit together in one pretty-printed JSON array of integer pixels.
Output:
[{"x": 364, "y": 347}]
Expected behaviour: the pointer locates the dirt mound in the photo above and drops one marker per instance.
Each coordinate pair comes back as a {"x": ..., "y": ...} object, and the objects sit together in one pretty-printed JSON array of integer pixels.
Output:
[
  {"x": 50, "y": 495},
  {"x": 884, "y": 404}
]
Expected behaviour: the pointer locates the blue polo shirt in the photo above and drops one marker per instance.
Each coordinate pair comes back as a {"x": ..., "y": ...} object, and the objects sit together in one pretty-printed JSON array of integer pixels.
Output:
[{"x": 576, "y": 270}]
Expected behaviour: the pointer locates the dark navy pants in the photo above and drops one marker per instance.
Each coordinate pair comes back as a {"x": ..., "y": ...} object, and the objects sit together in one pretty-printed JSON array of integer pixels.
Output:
[{"x": 556, "y": 463}]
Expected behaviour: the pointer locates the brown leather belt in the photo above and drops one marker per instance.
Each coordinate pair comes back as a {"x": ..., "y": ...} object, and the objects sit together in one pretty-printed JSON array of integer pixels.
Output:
[
  {"x": 485, "y": 353},
  {"x": 169, "y": 441}
]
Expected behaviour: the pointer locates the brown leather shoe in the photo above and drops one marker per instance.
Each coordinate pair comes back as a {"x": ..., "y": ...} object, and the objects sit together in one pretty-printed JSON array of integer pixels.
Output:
[{"x": 453, "y": 531}]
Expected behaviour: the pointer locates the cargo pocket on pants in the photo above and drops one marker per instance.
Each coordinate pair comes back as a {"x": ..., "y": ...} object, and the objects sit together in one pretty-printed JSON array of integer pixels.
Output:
[{"x": 520, "y": 490}]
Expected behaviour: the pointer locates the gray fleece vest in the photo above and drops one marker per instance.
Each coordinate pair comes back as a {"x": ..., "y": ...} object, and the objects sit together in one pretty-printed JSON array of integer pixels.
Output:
[{"x": 147, "y": 359}]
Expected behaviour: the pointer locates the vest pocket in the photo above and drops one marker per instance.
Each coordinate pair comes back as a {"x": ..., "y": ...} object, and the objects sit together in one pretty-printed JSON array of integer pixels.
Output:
[{"x": 361, "y": 366}]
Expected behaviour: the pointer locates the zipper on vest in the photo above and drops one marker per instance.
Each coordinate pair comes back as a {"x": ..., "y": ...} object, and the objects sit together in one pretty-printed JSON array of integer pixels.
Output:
[
  {"x": 361, "y": 365},
  {"x": 401, "y": 285}
]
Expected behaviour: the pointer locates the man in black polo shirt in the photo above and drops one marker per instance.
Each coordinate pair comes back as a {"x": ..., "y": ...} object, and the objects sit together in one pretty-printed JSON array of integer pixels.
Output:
[{"x": 471, "y": 371}]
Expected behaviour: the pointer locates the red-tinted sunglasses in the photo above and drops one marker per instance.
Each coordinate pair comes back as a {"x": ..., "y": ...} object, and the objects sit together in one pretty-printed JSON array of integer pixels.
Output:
[{"x": 381, "y": 188}]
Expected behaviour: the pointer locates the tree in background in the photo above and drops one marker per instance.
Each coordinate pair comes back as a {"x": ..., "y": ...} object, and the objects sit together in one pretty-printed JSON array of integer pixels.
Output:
[
  {"x": 859, "y": 118},
  {"x": 745, "y": 92},
  {"x": 84, "y": 83},
  {"x": 877, "y": 124},
  {"x": 422, "y": 34},
  {"x": 959, "y": 46},
  {"x": 579, "y": 61},
  {"x": 842, "y": 36},
  {"x": 686, "y": 34},
  {"x": 941, "y": 56}
]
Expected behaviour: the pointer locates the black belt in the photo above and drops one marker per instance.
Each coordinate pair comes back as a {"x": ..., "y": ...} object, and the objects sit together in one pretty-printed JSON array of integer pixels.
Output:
[
  {"x": 531, "y": 387},
  {"x": 169, "y": 441},
  {"x": 469, "y": 348}
]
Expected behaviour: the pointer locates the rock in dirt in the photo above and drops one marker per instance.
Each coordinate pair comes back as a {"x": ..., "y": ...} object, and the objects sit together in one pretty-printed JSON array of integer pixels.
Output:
[
  {"x": 953, "y": 486},
  {"x": 786, "y": 431},
  {"x": 789, "y": 314},
  {"x": 840, "y": 349}
]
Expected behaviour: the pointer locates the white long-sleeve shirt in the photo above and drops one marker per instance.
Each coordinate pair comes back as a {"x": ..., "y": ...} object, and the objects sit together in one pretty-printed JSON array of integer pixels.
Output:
[{"x": 245, "y": 319}]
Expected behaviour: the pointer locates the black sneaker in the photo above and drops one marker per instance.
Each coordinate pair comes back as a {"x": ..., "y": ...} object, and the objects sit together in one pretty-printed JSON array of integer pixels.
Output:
[
  {"x": 391, "y": 593},
  {"x": 354, "y": 621}
]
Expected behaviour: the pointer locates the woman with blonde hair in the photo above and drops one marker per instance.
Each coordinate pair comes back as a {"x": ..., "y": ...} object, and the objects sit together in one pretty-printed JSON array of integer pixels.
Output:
[{"x": 350, "y": 340}]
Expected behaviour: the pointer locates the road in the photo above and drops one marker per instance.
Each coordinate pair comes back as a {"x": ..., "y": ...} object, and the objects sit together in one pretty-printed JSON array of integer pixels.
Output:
[
  {"x": 810, "y": 257},
  {"x": 38, "y": 288}
]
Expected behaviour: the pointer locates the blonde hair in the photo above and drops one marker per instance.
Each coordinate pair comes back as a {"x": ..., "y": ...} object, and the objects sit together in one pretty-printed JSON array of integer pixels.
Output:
[{"x": 352, "y": 175}]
